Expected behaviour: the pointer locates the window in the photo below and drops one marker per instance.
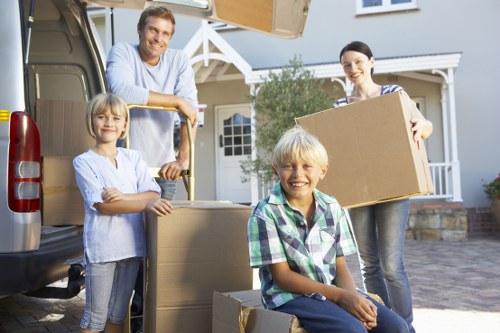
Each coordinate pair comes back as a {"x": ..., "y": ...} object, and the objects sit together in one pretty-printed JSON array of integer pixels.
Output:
[
  {"x": 237, "y": 136},
  {"x": 381, "y": 6}
]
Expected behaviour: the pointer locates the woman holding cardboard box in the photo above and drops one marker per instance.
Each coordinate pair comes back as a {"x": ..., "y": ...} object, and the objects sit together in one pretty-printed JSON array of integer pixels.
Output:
[{"x": 380, "y": 229}]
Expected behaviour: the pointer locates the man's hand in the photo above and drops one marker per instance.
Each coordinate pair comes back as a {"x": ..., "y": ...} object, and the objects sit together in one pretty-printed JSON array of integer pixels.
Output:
[
  {"x": 173, "y": 170},
  {"x": 161, "y": 207},
  {"x": 188, "y": 111}
]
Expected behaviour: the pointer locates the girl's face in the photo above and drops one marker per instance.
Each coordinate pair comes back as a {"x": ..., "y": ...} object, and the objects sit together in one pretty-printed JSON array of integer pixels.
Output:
[
  {"x": 108, "y": 127},
  {"x": 357, "y": 66}
]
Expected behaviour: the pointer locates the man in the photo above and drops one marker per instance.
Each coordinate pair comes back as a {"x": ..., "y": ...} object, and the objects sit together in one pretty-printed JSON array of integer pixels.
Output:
[{"x": 150, "y": 73}]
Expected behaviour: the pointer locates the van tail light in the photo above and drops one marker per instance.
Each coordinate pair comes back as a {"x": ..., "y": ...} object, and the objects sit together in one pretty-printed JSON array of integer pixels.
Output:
[{"x": 24, "y": 164}]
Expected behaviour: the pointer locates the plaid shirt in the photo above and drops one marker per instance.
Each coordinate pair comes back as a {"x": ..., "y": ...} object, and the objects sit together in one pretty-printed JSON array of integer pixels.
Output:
[{"x": 277, "y": 232}]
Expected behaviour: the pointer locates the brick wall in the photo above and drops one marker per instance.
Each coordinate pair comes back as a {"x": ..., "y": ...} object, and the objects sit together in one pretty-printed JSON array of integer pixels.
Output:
[
  {"x": 437, "y": 220},
  {"x": 481, "y": 221}
]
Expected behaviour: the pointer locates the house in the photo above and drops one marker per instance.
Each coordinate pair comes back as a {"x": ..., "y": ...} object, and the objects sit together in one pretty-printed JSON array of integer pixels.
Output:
[{"x": 444, "y": 53}]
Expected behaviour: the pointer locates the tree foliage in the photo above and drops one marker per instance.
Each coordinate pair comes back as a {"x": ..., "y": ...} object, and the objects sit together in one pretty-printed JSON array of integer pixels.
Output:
[{"x": 284, "y": 96}]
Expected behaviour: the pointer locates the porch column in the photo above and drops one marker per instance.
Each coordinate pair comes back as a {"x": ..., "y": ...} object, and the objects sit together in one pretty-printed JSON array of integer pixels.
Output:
[
  {"x": 346, "y": 85},
  {"x": 254, "y": 180},
  {"x": 455, "y": 163}
]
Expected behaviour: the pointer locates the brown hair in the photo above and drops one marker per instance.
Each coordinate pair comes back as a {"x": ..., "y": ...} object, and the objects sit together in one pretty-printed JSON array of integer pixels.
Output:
[
  {"x": 156, "y": 11},
  {"x": 357, "y": 46}
]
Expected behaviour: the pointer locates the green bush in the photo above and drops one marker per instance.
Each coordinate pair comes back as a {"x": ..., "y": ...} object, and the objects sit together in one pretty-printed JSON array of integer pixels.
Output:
[{"x": 284, "y": 96}]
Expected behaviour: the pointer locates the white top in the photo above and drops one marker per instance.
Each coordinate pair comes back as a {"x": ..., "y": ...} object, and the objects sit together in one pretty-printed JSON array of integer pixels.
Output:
[
  {"x": 151, "y": 131},
  {"x": 119, "y": 236}
]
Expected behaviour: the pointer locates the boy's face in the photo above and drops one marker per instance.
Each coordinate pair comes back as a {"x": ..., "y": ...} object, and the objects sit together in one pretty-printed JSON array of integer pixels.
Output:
[{"x": 299, "y": 178}]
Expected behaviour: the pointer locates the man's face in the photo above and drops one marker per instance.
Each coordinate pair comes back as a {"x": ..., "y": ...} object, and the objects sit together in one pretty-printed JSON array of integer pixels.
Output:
[{"x": 154, "y": 39}]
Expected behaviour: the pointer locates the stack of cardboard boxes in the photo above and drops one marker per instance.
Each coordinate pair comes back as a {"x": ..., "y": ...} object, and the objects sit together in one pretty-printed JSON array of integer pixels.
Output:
[{"x": 63, "y": 136}]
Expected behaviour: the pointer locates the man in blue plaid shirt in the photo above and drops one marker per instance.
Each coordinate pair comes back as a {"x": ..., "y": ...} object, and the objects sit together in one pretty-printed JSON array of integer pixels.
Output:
[{"x": 298, "y": 237}]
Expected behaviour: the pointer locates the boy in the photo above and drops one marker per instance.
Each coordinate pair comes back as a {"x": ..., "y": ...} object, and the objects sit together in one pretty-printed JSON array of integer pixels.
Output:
[{"x": 298, "y": 237}]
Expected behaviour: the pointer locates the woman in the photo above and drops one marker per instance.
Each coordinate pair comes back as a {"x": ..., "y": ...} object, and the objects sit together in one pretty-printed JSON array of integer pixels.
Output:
[{"x": 380, "y": 229}]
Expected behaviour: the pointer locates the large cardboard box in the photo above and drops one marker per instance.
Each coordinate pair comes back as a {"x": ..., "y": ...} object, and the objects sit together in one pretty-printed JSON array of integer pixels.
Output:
[
  {"x": 373, "y": 157},
  {"x": 245, "y": 308},
  {"x": 62, "y": 202},
  {"x": 179, "y": 319},
  {"x": 199, "y": 248},
  {"x": 63, "y": 129}
]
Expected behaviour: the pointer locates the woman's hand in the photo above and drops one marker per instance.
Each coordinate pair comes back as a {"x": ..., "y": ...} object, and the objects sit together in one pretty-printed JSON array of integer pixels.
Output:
[{"x": 421, "y": 129}]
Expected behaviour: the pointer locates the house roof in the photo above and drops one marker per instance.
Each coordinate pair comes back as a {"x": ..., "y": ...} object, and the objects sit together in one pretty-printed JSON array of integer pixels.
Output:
[{"x": 213, "y": 59}]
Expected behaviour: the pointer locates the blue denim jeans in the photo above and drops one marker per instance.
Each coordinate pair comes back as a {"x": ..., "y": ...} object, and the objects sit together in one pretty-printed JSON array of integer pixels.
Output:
[
  {"x": 168, "y": 188},
  {"x": 380, "y": 232},
  {"x": 108, "y": 289},
  {"x": 325, "y": 316}
]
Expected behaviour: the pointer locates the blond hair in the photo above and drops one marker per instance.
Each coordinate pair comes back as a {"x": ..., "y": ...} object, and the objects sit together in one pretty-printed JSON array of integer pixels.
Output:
[
  {"x": 102, "y": 103},
  {"x": 300, "y": 145}
]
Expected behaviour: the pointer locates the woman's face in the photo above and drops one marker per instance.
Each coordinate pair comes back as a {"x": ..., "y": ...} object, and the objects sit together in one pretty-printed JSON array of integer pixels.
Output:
[{"x": 357, "y": 66}]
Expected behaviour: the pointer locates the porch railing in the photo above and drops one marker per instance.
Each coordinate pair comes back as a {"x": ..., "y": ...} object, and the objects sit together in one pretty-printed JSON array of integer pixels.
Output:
[{"x": 441, "y": 178}]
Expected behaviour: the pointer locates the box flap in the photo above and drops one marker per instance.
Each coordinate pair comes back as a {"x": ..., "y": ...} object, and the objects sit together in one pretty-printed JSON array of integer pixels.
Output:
[{"x": 229, "y": 308}]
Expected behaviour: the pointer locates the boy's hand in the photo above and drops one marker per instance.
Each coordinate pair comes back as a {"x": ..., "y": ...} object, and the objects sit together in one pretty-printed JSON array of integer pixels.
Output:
[
  {"x": 112, "y": 194},
  {"x": 161, "y": 207},
  {"x": 359, "y": 307}
]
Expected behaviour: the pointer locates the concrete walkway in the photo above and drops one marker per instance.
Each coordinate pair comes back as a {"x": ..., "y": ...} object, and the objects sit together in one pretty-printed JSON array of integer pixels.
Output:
[
  {"x": 455, "y": 284},
  {"x": 456, "y": 289}
]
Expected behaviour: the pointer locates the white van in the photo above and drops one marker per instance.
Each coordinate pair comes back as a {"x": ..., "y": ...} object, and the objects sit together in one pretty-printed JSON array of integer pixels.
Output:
[{"x": 51, "y": 65}]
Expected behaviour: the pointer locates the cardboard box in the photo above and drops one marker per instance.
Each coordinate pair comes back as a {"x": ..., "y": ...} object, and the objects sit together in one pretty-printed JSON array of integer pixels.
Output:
[
  {"x": 199, "y": 248},
  {"x": 245, "y": 307},
  {"x": 62, "y": 202},
  {"x": 183, "y": 319},
  {"x": 373, "y": 157},
  {"x": 63, "y": 130}
]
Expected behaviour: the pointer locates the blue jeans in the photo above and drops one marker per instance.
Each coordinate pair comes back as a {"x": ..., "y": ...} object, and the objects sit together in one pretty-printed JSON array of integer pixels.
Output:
[
  {"x": 380, "y": 232},
  {"x": 108, "y": 289},
  {"x": 168, "y": 188},
  {"x": 325, "y": 316}
]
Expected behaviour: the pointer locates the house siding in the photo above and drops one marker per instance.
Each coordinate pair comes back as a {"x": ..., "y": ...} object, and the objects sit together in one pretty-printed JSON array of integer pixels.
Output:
[{"x": 436, "y": 27}]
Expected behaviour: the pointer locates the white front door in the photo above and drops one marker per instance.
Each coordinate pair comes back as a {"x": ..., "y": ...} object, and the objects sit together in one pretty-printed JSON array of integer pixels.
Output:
[{"x": 233, "y": 144}]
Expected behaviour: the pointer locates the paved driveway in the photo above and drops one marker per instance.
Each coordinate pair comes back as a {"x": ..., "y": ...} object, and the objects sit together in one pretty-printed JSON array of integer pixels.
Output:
[{"x": 456, "y": 288}]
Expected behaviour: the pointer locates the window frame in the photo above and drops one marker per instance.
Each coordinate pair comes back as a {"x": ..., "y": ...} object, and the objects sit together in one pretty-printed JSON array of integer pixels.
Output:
[{"x": 386, "y": 6}]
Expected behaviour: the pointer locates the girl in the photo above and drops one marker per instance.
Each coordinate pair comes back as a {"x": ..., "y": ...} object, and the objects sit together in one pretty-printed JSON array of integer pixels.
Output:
[
  {"x": 117, "y": 189},
  {"x": 380, "y": 229}
]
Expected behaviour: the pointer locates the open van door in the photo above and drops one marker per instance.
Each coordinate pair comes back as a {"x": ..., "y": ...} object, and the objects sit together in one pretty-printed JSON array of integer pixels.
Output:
[{"x": 280, "y": 18}]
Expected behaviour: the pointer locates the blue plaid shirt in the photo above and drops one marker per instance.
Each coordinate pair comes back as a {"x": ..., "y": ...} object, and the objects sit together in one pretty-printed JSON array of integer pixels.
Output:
[{"x": 277, "y": 232}]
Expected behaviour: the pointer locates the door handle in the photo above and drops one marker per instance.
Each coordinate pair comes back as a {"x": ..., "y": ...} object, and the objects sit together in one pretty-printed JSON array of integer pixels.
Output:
[{"x": 221, "y": 143}]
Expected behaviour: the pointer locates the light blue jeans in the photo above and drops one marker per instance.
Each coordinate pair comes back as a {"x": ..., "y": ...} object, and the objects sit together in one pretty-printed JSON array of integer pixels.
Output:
[
  {"x": 380, "y": 232},
  {"x": 168, "y": 188},
  {"x": 108, "y": 288}
]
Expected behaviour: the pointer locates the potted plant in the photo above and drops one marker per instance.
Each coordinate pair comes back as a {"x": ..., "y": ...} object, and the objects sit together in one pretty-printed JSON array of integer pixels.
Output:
[{"x": 492, "y": 191}]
